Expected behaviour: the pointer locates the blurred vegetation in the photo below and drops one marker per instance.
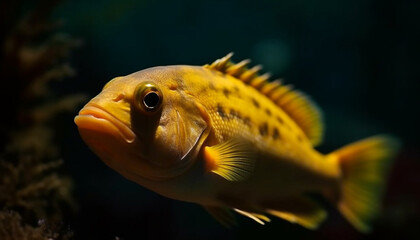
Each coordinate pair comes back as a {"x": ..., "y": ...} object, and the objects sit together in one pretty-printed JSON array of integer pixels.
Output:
[{"x": 35, "y": 194}]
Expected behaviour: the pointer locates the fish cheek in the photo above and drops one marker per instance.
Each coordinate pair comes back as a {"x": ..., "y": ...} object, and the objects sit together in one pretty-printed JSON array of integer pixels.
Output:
[
  {"x": 157, "y": 145},
  {"x": 167, "y": 136},
  {"x": 177, "y": 136},
  {"x": 145, "y": 126}
]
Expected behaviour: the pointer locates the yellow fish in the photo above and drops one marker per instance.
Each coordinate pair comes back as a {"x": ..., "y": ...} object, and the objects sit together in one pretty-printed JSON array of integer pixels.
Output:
[{"x": 225, "y": 137}]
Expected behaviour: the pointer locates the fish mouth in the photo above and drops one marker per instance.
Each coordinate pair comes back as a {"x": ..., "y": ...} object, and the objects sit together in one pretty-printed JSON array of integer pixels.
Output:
[{"x": 95, "y": 118}]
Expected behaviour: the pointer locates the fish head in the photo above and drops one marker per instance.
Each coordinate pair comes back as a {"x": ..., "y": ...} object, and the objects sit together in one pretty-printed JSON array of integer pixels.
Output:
[{"x": 145, "y": 125}]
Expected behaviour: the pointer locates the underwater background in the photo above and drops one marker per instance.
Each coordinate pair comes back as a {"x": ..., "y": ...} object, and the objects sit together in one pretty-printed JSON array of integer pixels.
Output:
[{"x": 359, "y": 60}]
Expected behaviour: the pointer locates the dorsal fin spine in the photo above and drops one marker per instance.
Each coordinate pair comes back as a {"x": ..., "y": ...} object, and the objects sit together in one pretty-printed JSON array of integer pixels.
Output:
[
  {"x": 250, "y": 74},
  {"x": 268, "y": 88},
  {"x": 295, "y": 103},
  {"x": 259, "y": 81},
  {"x": 237, "y": 69},
  {"x": 287, "y": 98},
  {"x": 220, "y": 64},
  {"x": 279, "y": 92}
]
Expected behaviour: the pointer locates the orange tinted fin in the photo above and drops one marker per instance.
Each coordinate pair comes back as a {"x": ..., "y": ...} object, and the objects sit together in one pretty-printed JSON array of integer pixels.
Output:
[
  {"x": 364, "y": 165},
  {"x": 259, "y": 218},
  {"x": 223, "y": 215},
  {"x": 233, "y": 159},
  {"x": 300, "y": 210},
  {"x": 295, "y": 103}
]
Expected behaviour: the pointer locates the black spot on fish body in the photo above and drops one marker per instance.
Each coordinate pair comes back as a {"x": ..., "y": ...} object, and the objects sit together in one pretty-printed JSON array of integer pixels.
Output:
[
  {"x": 226, "y": 92},
  {"x": 221, "y": 112},
  {"x": 235, "y": 114},
  {"x": 276, "y": 133},
  {"x": 268, "y": 111},
  {"x": 247, "y": 121},
  {"x": 203, "y": 90},
  {"x": 263, "y": 129},
  {"x": 299, "y": 137},
  {"x": 255, "y": 102},
  {"x": 280, "y": 120},
  {"x": 211, "y": 86}
]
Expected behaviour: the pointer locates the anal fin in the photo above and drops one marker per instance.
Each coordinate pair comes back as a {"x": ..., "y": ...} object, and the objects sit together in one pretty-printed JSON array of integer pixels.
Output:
[
  {"x": 223, "y": 215},
  {"x": 259, "y": 218},
  {"x": 300, "y": 210}
]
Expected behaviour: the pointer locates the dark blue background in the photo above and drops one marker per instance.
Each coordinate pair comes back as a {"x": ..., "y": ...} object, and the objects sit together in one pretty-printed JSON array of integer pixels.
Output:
[{"x": 358, "y": 59}]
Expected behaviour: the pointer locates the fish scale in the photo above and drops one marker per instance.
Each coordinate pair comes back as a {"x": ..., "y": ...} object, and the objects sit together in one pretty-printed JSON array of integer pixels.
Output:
[
  {"x": 251, "y": 105},
  {"x": 294, "y": 102}
]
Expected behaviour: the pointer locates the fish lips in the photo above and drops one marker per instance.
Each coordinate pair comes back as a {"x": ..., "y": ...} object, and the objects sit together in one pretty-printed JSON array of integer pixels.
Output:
[{"x": 96, "y": 120}]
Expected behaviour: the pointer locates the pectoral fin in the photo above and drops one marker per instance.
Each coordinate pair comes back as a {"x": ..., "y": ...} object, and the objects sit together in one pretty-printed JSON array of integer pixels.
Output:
[
  {"x": 233, "y": 159},
  {"x": 300, "y": 210}
]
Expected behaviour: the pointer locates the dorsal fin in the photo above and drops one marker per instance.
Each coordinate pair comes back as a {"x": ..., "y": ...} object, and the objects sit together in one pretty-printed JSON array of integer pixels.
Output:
[{"x": 295, "y": 103}]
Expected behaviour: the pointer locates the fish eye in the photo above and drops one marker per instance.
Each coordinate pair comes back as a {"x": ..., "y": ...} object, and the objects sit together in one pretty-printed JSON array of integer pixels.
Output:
[
  {"x": 149, "y": 97},
  {"x": 151, "y": 100}
]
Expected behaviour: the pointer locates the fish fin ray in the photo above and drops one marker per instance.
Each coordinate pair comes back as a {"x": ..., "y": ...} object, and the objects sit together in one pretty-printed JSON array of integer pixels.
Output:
[
  {"x": 223, "y": 215},
  {"x": 257, "y": 217},
  {"x": 300, "y": 210},
  {"x": 233, "y": 159},
  {"x": 364, "y": 166},
  {"x": 299, "y": 106},
  {"x": 302, "y": 109}
]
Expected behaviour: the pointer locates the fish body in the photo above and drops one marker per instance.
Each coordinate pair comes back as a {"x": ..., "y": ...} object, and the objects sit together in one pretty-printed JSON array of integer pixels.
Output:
[{"x": 225, "y": 137}]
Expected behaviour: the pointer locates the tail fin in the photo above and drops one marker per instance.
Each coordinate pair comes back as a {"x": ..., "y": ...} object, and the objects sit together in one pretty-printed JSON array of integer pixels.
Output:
[{"x": 364, "y": 165}]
